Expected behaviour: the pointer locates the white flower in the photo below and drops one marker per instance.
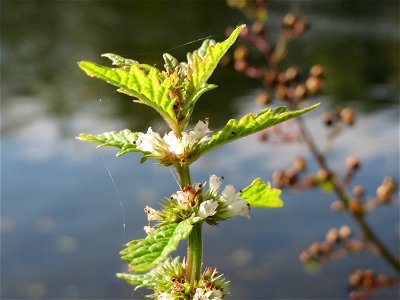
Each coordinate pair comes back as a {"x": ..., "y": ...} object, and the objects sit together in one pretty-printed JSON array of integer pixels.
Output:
[
  {"x": 237, "y": 208},
  {"x": 217, "y": 294},
  {"x": 149, "y": 230},
  {"x": 207, "y": 208},
  {"x": 201, "y": 129},
  {"x": 165, "y": 296},
  {"x": 182, "y": 198},
  {"x": 189, "y": 139},
  {"x": 234, "y": 205},
  {"x": 152, "y": 214},
  {"x": 215, "y": 183},
  {"x": 175, "y": 145},
  {"x": 149, "y": 142},
  {"x": 229, "y": 195},
  {"x": 201, "y": 295}
]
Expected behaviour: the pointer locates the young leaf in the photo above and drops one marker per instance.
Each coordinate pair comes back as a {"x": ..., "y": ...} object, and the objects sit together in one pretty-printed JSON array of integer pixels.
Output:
[
  {"x": 249, "y": 124},
  {"x": 262, "y": 194},
  {"x": 125, "y": 140},
  {"x": 201, "y": 64},
  {"x": 147, "y": 253},
  {"x": 148, "y": 87},
  {"x": 161, "y": 276},
  {"x": 206, "y": 59},
  {"x": 119, "y": 60},
  {"x": 140, "y": 280}
]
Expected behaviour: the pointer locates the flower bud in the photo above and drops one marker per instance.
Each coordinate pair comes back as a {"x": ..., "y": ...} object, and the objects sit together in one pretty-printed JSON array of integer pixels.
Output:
[
  {"x": 390, "y": 183},
  {"x": 323, "y": 175},
  {"x": 358, "y": 191},
  {"x": 264, "y": 98},
  {"x": 355, "y": 279},
  {"x": 300, "y": 91},
  {"x": 347, "y": 116},
  {"x": 332, "y": 236},
  {"x": 384, "y": 194},
  {"x": 337, "y": 205},
  {"x": 290, "y": 176},
  {"x": 277, "y": 178},
  {"x": 271, "y": 77},
  {"x": 241, "y": 53},
  {"x": 353, "y": 163},
  {"x": 282, "y": 78},
  {"x": 314, "y": 85},
  {"x": 317, "y": 71},
  {"x": 300, "y": 164},
  {"x": 345, "y": 232},
  {"x": 356, "y": 207},
  {"x": 282, "y": 92},
  {"x": 289, "y": 21},
  {"x": 292, "y": 73}
]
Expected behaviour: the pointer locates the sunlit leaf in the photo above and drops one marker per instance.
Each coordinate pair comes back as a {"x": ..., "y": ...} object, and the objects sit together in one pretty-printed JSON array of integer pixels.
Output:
[
  {"x": 201, "y": 64},
  {"x": 262, "y": 194},
  {"x": 160, "y": 276},
  {"x": 249, "y": 124},
  {"x": 146, "y": 253},
  {"x": 124, "y": 140},
  {"x": 147, "y": 86}
]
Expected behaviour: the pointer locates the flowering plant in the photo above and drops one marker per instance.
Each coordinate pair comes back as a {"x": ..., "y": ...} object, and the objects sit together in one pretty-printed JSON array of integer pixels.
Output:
[{"x": 173, "y": 93}]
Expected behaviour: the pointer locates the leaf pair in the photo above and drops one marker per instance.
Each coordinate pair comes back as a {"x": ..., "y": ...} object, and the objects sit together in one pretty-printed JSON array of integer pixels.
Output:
[
  {"x": 174, "y": 93},
  {"x": 233, "y": 130}
]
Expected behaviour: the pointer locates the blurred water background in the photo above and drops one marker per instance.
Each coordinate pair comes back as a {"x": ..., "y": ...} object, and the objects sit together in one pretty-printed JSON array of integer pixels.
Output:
[{"x": 62, "y": 214}]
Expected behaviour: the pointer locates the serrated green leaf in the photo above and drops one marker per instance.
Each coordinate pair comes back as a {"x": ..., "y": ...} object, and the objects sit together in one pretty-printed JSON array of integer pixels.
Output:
[
  {"x": 201, "y": 64},
  {"x": 119, "y": 60},
  {"x": 145, "y": 254},
  {"x": 206, "y": 59},
  {"x": 124, "y": 140},
  {"x": 159, "y": 276},
  {"x": 171, "y": 63},
  {"x": 262, "y": 194},
  {"x": 148, "y": 87},
  {"x": 141, "y": 280},
  {"x": 249, "y": 124}
]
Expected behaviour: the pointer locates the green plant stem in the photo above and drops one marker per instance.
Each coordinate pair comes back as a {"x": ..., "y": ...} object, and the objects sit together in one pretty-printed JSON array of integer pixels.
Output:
[
  {"x": 194, "y": 254},
  {"x": 195, "y": 244},
  {"x": 344, "y": 197}
]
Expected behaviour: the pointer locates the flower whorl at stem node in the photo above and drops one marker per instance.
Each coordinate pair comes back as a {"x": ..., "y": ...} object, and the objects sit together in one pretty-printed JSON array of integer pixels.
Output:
[{"x": 170, "y": 143}]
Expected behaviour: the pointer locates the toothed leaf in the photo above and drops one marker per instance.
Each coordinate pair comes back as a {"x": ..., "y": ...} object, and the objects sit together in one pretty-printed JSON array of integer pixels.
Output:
[
  {"x": 207, "y": 57},
  {"x": 124, "y": 140},
  {"x": 119, "y": 60},
  {"x": 249, "y": 124},
  {"x": 146, "y": 253},
  {"x": 262, "y": 194},
  {"x": 148, "y": 87}
]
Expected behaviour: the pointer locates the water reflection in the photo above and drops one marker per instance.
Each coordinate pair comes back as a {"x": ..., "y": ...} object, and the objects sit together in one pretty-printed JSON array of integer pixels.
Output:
[{"x": 62, "y": 224}]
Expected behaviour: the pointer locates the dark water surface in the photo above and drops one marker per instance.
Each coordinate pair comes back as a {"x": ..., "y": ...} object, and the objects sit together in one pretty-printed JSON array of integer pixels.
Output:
[{"x": 62, "y": 214}]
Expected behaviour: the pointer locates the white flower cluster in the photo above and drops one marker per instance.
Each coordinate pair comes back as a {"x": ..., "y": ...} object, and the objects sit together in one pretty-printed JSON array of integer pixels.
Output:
[
  {"x": 200, "y": 294},
  {"x": 230, "y": 201},
  {"x": 152, "y": 141},
  {"x": 207, "y": 295}
]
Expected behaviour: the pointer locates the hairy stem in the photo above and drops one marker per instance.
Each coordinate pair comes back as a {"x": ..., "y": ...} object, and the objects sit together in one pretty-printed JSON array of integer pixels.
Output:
[
  {"x": 344, "y": 197},
  {"x": 194, "y": 254},
  {"x": 195, "y": 244}
]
